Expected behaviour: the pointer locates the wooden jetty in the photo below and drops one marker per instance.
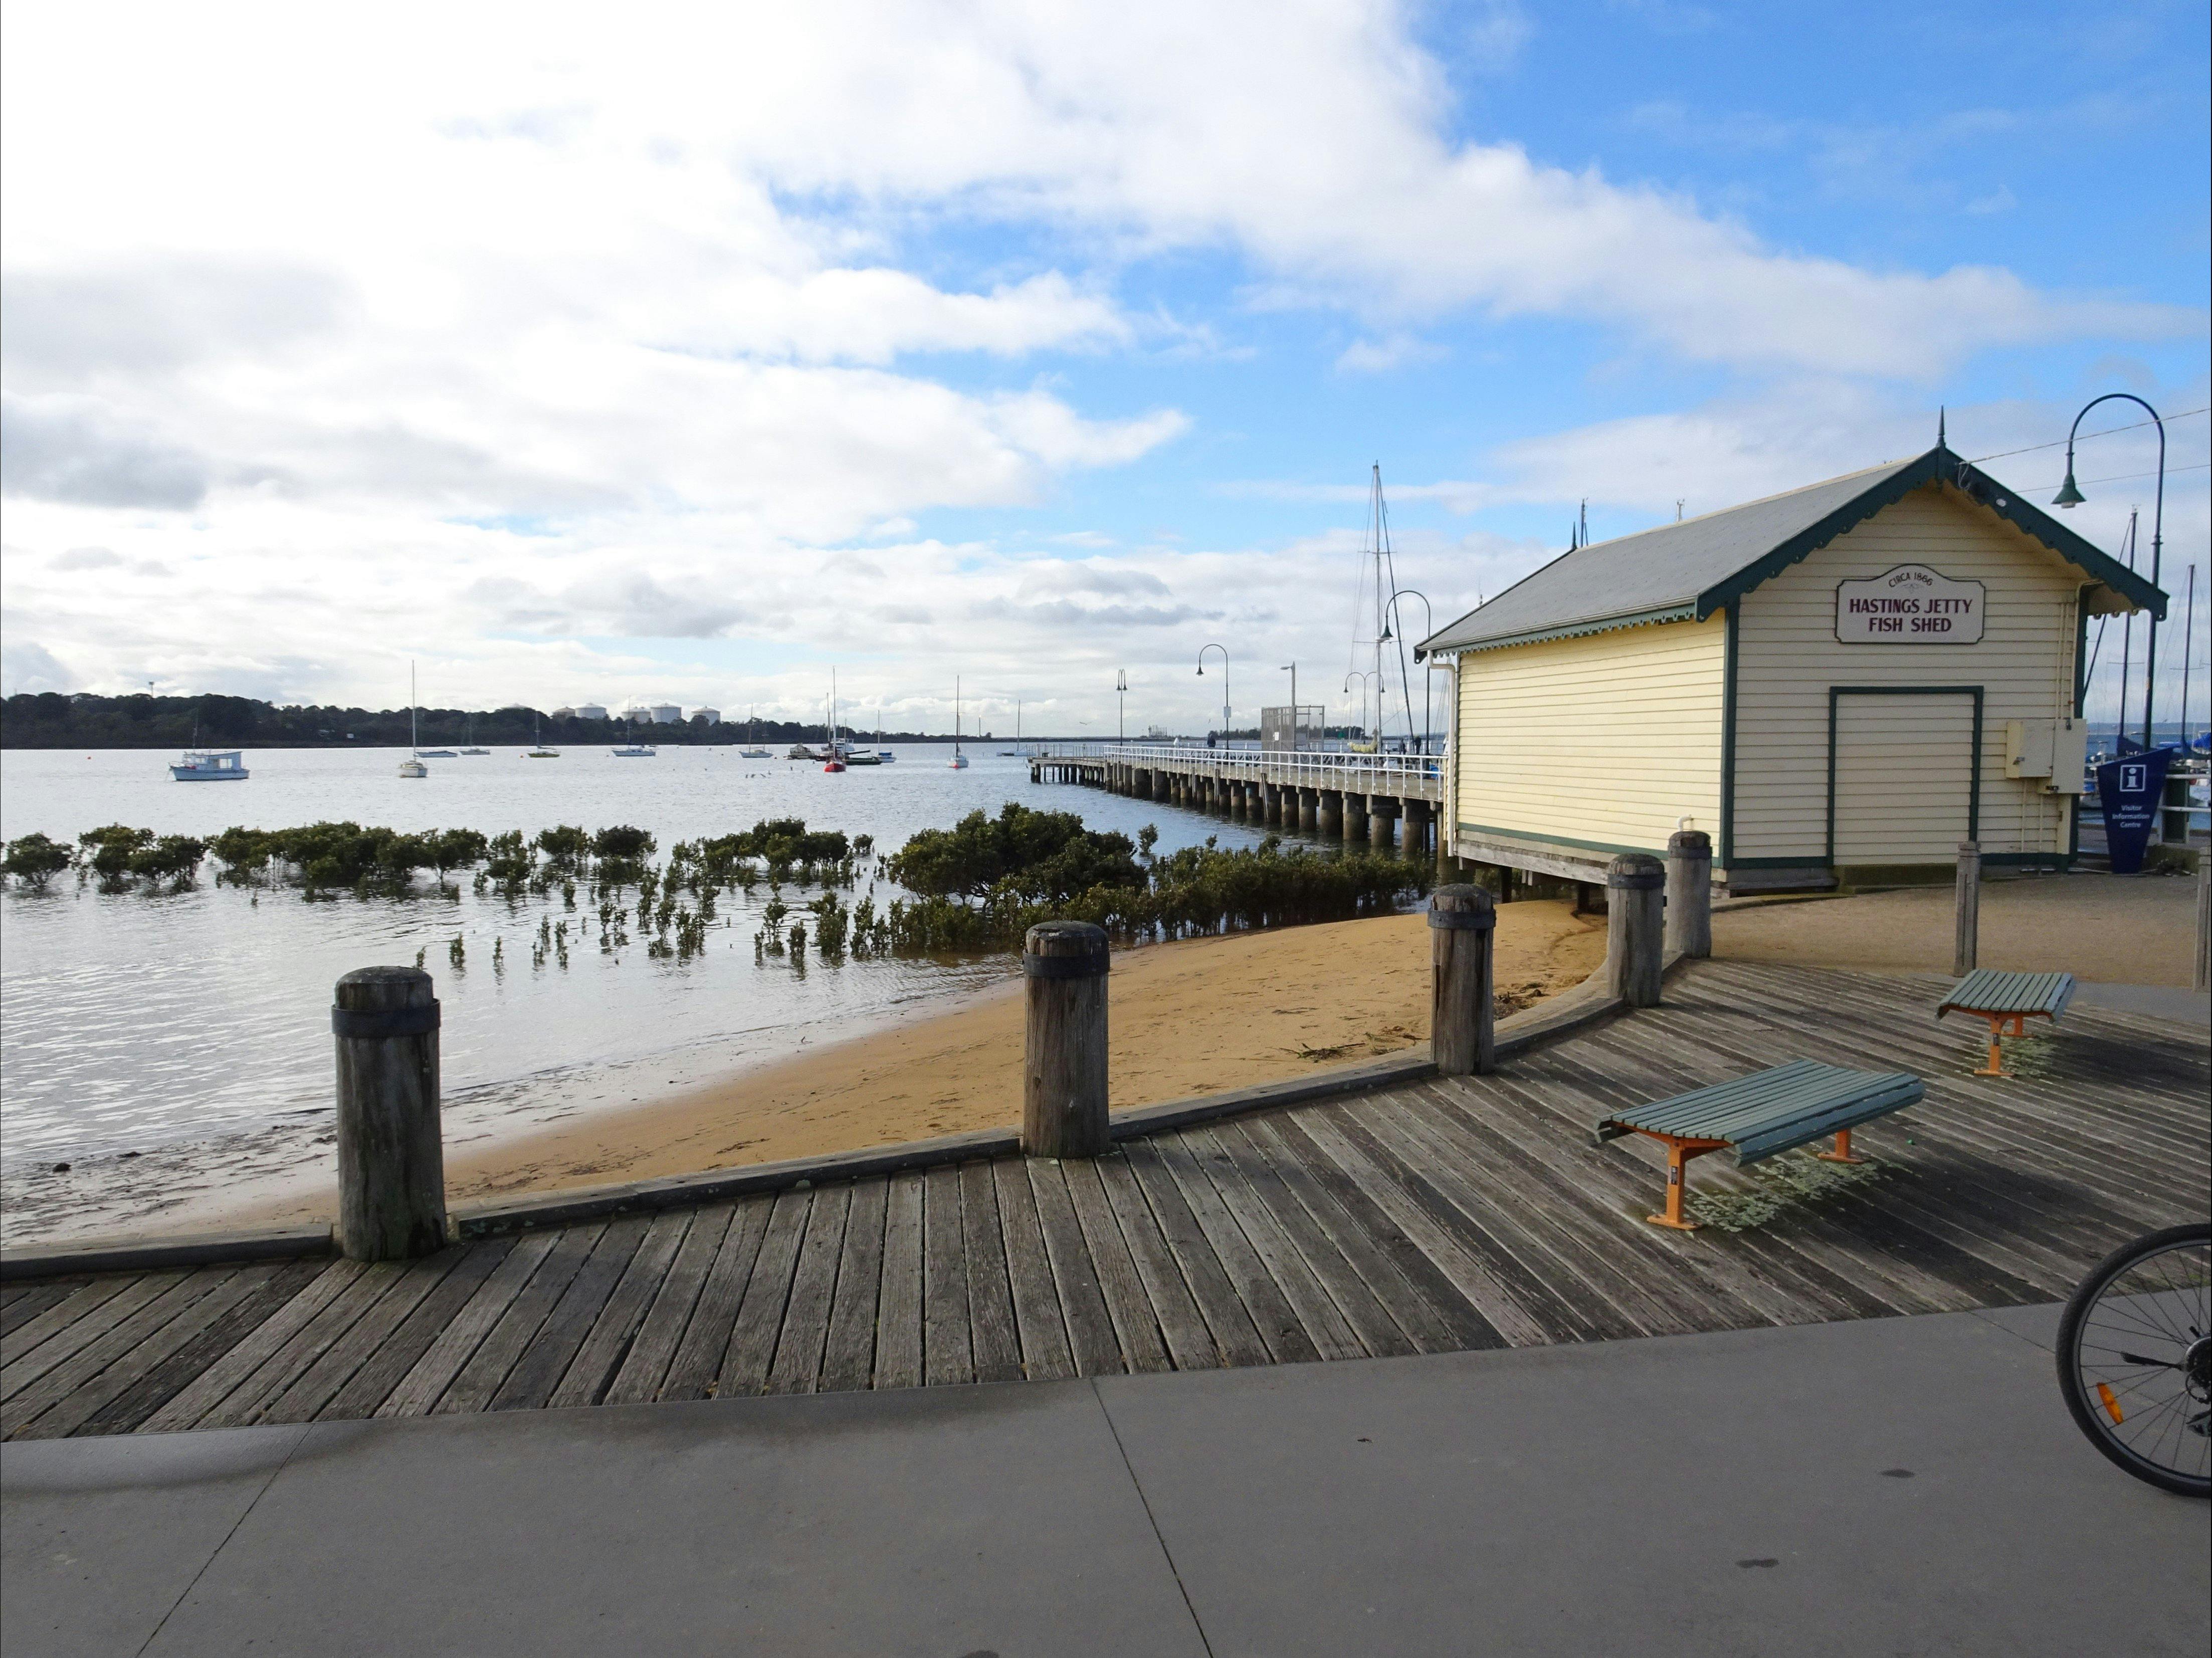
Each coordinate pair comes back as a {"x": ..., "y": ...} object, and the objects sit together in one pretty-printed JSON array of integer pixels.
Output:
[
  {"x": 1384, "y": 799},
  {"x": 1460, "y": 1213}
]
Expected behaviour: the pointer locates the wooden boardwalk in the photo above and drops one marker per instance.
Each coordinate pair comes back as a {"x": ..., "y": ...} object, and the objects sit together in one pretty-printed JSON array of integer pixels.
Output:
[{"x": 1450, "y": 1215}]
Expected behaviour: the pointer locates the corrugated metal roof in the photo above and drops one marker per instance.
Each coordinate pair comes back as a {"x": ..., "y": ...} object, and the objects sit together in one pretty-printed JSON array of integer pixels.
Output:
[
  {"x": 1686, "y": 570},
  {"x": 1654, "y": 569}
]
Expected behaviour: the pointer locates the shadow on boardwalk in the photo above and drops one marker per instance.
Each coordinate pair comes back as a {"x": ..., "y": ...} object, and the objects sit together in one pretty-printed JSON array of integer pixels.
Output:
[{"x": 1452, "y": 1215}]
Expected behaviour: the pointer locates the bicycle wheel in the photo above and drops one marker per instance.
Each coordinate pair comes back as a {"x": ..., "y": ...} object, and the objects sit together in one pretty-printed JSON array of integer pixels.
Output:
[{"x": 2134, "y": 1359}]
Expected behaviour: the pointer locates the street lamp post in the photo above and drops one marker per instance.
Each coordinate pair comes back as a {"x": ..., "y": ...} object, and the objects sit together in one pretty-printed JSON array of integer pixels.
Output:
[
  {"x": 1224, "y": 649},
  {"x": 1121, "y": 711},
  {"x": 2069, "y": 494},
  {"x": 1430, "y": 616},
  {"x": 1361, "y": 679},
  {"x": 1292, "y": 668}
]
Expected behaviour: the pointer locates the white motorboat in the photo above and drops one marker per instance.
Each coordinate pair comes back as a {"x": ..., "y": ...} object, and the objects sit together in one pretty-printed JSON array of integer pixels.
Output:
[{"x": 210, "y": 765}]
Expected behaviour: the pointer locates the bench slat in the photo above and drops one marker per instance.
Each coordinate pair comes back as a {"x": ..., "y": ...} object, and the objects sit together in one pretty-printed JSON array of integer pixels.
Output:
[
  {"x": 1774, "y": 1110},
  {"x": 1985, "y": 990}
]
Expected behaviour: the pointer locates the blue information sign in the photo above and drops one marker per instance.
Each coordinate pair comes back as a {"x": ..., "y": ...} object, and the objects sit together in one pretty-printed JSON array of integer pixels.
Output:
[{"x": 2130, "y": 790}]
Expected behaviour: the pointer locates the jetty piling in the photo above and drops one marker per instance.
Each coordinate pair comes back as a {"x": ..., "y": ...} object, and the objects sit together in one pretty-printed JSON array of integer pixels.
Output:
[
  {"x": 1690, "y": 893},
  {"x": 1968, "y": 907},
  {"x": 1462, "y": 930},
  {"x": 392, "y": 1159},
  {"x": 1065, "y": 965},
  {"x": 1635, "y": 935}
]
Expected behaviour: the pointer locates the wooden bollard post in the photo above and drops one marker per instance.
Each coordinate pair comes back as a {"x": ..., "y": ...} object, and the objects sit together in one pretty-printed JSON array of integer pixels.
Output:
[
  {"x": 1967, "y": 944},
  {"x": 391, "y": 1157},
  {"x": 1690, "y": 893},
  {"x": 1462, "y": 927},
  {"x": 1064, "y": 1069},
  {"x": 1634, "y": 933},
  {"x": 2201, "y": 977}
]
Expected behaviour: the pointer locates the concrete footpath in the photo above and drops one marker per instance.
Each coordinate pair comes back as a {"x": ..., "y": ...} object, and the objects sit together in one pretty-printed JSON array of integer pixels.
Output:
[{"x": 1893, "y": 1486}]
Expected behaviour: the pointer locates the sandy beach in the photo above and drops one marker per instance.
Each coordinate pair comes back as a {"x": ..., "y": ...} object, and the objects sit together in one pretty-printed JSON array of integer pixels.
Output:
[{"x": 1189, "y": 1017}]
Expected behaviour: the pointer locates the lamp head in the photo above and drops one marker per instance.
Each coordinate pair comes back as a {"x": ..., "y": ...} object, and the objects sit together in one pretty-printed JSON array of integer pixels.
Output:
[
  {"x": 2068, "y": 495},
  {"x": 1201, "y": 671},
  {"x": 1387, "y": 635}
]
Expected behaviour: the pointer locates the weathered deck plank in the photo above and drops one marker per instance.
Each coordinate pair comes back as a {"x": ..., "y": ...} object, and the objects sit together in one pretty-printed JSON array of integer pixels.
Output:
[
  {"x": 1039, "y": 1323},
  {"x": 1453, "y": 1213},
  {"x": 850, "y": 1354}
]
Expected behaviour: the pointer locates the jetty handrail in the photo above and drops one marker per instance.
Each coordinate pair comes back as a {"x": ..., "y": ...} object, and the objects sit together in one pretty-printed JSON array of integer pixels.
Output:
[{"x": 1334, "y": 763}]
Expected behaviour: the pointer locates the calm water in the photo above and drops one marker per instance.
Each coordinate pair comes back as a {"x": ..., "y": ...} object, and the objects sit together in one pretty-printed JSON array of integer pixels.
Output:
[{"x": 132, "y": 1020}]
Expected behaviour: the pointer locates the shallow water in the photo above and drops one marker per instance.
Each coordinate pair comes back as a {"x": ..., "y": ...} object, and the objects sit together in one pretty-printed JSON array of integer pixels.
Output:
[{"x": 133, "y": 1021}]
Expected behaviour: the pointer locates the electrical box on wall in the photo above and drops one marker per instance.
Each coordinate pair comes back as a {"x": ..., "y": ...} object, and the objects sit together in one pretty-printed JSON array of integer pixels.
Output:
[
  {"x": 2070, "y": 756},
  {"x": 2028, "y": 746}
]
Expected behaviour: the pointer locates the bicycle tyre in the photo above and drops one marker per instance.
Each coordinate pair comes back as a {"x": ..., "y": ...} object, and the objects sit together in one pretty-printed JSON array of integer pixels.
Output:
[{"x": 2086, "y": 1327}]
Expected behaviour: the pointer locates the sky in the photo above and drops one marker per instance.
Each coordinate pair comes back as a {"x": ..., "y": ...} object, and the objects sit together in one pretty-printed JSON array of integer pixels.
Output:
[{"x": 684, "y": 353}]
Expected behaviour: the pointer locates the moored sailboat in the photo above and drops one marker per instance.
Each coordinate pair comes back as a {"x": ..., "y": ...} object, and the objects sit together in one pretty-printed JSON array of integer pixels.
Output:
[
  {"x": 412, "y": 766},
  {"x": 959, "y": 761}
]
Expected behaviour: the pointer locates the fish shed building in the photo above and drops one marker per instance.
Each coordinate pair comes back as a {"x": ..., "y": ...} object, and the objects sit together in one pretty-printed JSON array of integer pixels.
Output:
[{"x": 1841, "y": 683}]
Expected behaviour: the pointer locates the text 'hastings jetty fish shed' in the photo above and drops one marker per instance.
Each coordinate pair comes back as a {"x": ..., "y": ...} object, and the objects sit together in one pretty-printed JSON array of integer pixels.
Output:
[{"x": 1841, "y": 683}]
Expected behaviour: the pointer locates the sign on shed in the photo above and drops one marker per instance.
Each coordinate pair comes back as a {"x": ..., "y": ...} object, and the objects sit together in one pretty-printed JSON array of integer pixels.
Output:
[{"x": 1911, "y": 604}]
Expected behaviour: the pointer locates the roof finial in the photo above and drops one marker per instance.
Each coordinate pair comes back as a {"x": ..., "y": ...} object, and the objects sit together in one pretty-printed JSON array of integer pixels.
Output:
[{"x": 1942, "y": 442}]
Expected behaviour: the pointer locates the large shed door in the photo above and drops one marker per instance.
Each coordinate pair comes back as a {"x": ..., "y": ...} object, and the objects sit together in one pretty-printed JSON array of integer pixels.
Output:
[{"x": 1904, "y": 774}]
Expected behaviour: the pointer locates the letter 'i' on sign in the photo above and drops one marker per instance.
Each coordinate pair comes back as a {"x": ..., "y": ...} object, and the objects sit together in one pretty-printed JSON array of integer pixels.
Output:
[{"x": 1911, "y": 604}]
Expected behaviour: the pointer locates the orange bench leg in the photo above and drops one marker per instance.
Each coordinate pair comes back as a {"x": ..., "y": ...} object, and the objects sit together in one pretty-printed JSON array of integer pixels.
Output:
[
  {"x": 1679, "y": 1153},
  {"x": 1995, "y": 1066},
  {"x": 1843, "y": 1152}
]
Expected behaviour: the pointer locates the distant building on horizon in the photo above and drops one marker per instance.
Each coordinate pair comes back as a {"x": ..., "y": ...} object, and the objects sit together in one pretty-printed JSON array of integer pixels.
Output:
[
  {"x": 665, "y": 714},
  {"x": 586, "y": 711},
  {"x": 712, "y": 716}
]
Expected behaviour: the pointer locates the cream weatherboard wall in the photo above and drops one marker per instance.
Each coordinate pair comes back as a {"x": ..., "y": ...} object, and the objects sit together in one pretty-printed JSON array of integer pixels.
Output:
[
  {"x": 1600, "y": 743},
  {"x": 1788, "y": 657}
]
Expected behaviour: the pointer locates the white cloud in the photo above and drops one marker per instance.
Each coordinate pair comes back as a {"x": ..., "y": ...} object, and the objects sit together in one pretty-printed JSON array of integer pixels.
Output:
[
  {"x": 1395, "y": 351},
  {"x": 481, "y": 333}
]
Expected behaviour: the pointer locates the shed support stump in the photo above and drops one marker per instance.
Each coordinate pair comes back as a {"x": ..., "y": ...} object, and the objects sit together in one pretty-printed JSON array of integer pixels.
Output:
[
  {"x": 1064, "y": 965},
  {"x": 392, "y": 1157}
]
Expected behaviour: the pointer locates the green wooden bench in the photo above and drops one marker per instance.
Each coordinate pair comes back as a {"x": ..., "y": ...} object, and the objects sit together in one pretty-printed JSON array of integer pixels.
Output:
[
  {"x": 1998, "y": 997},
  {"x": 1760, "y": 1114}
]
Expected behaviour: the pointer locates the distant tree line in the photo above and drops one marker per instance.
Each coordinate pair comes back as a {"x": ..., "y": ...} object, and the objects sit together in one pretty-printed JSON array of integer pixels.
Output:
[{"x": 52, "y": 720}]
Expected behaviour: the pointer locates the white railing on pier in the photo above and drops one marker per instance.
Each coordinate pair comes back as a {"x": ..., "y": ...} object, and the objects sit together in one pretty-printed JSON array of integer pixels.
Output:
[{"x": 1418, "y": 774}]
